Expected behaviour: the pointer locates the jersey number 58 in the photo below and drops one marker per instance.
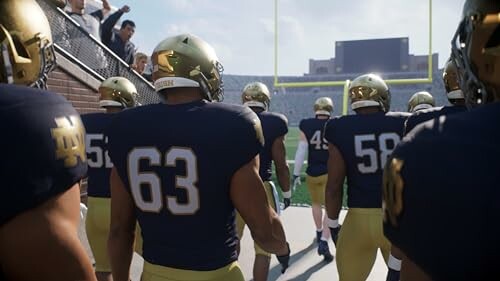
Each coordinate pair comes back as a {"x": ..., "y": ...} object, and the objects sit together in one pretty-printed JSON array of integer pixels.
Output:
[{"x": 376, "y": 155}]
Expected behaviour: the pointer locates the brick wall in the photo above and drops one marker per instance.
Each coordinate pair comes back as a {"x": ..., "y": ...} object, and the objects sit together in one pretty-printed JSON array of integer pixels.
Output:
[{"x": 83, "y": 97}]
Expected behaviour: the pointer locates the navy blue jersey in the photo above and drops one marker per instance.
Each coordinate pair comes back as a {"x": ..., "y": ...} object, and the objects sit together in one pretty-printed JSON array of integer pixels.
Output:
[
  {"x": 317, "y": 153},
  {"x": 177, "y": 162},
  {"x": 44, "y": 152},
  {"x": 97, "y": 154},
  {"x": 445, "y": 182},
  {"x": 274, "y": 125},
  {"x": 365, "y": 141},
  {"x": 430, "y": 113}
]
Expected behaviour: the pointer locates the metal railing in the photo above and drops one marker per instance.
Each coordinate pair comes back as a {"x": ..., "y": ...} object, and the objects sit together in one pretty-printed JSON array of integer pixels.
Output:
[{"x": 76, "y": 44}]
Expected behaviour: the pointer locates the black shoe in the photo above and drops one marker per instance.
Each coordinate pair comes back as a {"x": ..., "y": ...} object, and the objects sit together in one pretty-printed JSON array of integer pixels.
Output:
[
  {"x": 324, "y": 250},
  {"x": 318, "y": 236}
]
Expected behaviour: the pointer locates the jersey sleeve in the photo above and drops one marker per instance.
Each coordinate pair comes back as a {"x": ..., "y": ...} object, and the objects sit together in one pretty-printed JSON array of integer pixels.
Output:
[
  {"x": 331, "y": 131},
  {"x": 98, "y": 15},
  {"x": 45, "y": 152},
  {"x": 302, "y": 125},
  {"x": 281, "y": 125},
  {"x": 247, "y": 139}
]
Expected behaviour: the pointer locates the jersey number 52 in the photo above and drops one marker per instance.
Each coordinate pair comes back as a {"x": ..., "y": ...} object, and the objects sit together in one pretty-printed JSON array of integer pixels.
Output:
[{"x": 97, "y": 157}]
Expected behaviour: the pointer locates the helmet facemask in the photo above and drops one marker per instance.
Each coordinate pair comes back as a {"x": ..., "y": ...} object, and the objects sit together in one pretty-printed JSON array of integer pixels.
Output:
[{"x": 464, "y": 47}]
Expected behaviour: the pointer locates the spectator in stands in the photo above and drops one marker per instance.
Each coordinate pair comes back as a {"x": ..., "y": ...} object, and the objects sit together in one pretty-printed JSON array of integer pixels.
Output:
[
  {"x": 119, "y": 41},
  {"x": 140, "y": 63},
  {"x": 90, "y": 22}
]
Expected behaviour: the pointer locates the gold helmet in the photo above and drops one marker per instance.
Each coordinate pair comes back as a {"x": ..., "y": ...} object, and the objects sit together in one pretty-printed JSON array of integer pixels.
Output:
[
  {"x": 26, "y": 51},
  {"x": 451, "y": 83},
  {"x": 419, "y": 101},
  {"x": 117, "y": 92},
  {"x": 476, "y": 50},
  {"x": 256, "y": 94},
  {"x": 323, "y": 106},
  {"x": 187, "y": 61},
  {"x": 369, "y": 90}
]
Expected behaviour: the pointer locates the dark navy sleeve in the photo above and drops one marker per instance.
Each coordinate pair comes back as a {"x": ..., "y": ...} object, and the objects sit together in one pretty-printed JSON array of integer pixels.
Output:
[
  {"x": 107, "y": 27},
  {"x": 330, "y": 132},
  {"x": 301, "y": 125},
  {"x": 282, "y": 125},
  {"x": 248, "y": 139},
  {"x": 44, "y": 152},
  {"x": 98, "y": 15}
]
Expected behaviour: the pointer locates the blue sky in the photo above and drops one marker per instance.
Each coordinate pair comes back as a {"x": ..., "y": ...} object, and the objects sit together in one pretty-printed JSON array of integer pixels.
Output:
[{"x": 242, "y": 31}]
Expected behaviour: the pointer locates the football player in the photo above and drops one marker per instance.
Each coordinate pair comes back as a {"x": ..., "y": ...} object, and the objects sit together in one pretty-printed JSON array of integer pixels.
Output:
[
  {"x": 312, "y": 142},
  {"x": 453, "y": 93},
  {"x": 274, "y": 126},
  {"x": 420, "y": 101},
  {"x": 427, "y": 210},
  {"x": 43, "y": 159},
  {"x": 116, "y": 94},
  {"x": 359, "y": 146},
  {"x": 181, "y": 167}
]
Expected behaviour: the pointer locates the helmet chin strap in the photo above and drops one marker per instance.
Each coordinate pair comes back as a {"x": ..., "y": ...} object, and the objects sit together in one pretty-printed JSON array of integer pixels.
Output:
[{"x": 7, "y": 63}]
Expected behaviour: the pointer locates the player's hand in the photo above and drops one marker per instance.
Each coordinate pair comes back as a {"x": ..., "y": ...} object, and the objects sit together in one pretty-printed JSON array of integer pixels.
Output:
[
  {"x": 392, "y": 275},
  {"x": 334, "y": 231},
  {"x": 296, "y": 182},
  {"x": 284, "y": 260},
  {"x": 286, "y": 202},
  {"x": 287, "y": 196}
]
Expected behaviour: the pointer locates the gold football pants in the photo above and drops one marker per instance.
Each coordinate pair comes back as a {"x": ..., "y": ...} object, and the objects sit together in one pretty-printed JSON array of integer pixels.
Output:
[
  {"x": 316, "y": 187},
  {"x": 230, "y": 272},
  {"x": 359, "y": 239}
]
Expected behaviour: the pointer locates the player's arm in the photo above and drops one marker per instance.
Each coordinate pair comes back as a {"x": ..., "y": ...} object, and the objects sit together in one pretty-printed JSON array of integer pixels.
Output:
[
  {"x": 248, "y": 196},
  {"x": 42, "y": 243},
  {"x": 334, "y": 188},
  {"x": 300, "y": 155},
  {"x": 278, "y": 151},
  {"x": 122, "y": 229}
]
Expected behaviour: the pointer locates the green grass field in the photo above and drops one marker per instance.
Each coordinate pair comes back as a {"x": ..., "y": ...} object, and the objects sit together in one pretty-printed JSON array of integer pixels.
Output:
[{"x": 301, "y": 195}]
